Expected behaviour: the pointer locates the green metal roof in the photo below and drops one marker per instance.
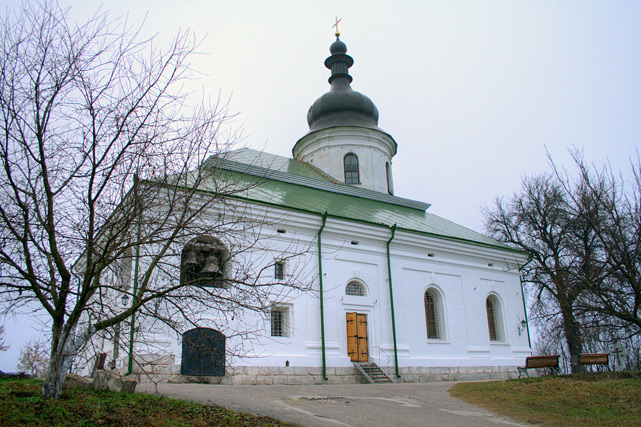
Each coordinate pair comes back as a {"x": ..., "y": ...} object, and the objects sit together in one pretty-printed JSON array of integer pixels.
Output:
[
  {"x": 265, "y": 162},
  {"x": 295, "y": 194},
  {"x": 294, "y": 171}
]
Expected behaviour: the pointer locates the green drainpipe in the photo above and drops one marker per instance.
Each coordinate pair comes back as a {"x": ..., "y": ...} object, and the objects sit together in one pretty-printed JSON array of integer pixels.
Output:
[
  {"x": 527, "y": 324},
  {"x": 391, "y": 298},
  {"x": 320, "y": 280},
  {"x": 133, "y": 296}
]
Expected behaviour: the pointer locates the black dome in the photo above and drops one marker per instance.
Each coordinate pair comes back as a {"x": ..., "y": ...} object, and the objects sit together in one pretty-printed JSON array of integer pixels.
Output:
[
  {"x": 341, "y": 106},
  {"x": 338, "y": 47}
]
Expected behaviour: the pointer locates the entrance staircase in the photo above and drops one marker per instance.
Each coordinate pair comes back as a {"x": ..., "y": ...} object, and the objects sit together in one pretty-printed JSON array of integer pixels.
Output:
[{"x": 372, "y": 373}]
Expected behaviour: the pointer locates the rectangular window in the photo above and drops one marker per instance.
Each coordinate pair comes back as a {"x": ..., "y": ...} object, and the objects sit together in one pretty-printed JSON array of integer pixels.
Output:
[
  {"x": 280, "y": 321},
  {"x": 279, "y": 270},
  {"x": 123, "y": 270}
]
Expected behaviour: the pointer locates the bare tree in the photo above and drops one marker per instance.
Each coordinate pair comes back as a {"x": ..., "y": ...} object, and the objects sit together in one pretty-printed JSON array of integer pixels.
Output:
[
  {"x": 33, "y": 359},
  {"x": 611, "y": 215},
  {"x": 583, "y": 236},
  {"x": 538, "y": 222},
  {"x": 103, "y": 186}
]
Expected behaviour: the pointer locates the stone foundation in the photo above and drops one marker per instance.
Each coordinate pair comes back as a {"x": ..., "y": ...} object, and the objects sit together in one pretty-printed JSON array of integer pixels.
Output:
[
  {"x": 267, "y": 375},
  {"x": 453, "y": 373}
]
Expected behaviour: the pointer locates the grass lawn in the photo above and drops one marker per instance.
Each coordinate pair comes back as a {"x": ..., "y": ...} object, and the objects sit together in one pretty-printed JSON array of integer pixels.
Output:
[
  {"x": 21, "y": 405},
  {"x": 603, "y": 399}
]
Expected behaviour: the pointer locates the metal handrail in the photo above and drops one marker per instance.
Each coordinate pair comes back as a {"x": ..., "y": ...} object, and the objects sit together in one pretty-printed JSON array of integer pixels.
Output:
[
  {"x": 389, "y": 359},
  {"x": 362, "y": 371}
]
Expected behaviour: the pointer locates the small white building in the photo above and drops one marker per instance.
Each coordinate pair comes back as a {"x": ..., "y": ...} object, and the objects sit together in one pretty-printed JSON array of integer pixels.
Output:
[{"x": 419, "y": 296}]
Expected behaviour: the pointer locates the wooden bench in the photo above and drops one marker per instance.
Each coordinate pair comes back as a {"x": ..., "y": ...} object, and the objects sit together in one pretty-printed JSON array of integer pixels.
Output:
[
  {"x": 533, "y": 362},
  {"x": 594, "y": 359}
]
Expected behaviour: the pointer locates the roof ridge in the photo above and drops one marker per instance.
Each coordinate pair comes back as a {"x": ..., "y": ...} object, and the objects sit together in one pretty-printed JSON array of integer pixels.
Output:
[{"x": 318, "y": 171}]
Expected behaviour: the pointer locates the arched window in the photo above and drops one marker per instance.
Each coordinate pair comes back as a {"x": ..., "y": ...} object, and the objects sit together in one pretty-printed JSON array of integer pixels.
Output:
[
  {"x": 433, "y": 314},
  {"x": 203, "y": 262},
  {"x": 355, "y": 289},
  {"x": 494, "y": 318},
  {"x": 350, "y": 162},
  {"x": 389, "y": 178}
]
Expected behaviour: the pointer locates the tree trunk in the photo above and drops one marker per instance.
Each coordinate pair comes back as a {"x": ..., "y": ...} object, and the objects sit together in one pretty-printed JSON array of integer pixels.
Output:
[
  {"x": 61, "y": 358},
  {"x": 572, "y": 331},
  {"x": 59, "y": 364}
]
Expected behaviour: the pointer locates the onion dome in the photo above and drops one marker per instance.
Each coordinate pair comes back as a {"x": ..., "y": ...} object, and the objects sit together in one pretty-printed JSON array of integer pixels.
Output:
[{"x": 341, "y": 106}]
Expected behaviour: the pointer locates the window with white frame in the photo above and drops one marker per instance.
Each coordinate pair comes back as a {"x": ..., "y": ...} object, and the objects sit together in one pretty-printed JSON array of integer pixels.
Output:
[
  {"x": 279, "y": 270},
  {"x": 355, "y": 289},
  {"x": 123, "y": 269},
  {"x": 350, "y": 162},
  {"x": 280, "y": 322},
  {"x": 388, "y": 175},
  {"x": 494, "y": 318},
  {"x": 433, "y": 314}
]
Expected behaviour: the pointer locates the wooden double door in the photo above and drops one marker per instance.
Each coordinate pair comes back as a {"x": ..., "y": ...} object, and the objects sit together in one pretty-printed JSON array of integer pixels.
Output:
[{"x": 357, "y": 337}]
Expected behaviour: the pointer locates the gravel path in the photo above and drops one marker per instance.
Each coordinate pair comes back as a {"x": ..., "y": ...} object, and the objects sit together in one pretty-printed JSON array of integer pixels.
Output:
[{"x": 409, "y": 404}]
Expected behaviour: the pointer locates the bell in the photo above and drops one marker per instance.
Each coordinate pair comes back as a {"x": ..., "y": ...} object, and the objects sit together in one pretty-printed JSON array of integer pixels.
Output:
[
  {"x": 190, "y": 258},
  {"x": 211, "y": 265}
]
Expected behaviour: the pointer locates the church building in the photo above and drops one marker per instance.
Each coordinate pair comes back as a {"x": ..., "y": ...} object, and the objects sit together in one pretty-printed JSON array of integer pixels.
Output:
[{"x": 394, "y": 287}]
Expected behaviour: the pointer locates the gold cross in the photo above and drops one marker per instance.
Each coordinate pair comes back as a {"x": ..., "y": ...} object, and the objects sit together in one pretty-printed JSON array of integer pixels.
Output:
[{"x": 336, "y": 26}]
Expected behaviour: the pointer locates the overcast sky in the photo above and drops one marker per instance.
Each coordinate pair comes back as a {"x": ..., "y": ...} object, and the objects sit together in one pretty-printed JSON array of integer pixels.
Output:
[{"x": 472, "y": 92}]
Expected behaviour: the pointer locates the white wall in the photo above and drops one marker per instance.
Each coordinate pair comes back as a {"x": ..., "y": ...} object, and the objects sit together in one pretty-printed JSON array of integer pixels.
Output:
[
  {"x": 460, "y": 271},
  {"x": 464, "y": 282}
]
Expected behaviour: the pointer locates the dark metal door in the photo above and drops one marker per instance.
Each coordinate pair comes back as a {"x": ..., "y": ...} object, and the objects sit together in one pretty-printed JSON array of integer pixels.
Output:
[{"x": 203, "y": 352}]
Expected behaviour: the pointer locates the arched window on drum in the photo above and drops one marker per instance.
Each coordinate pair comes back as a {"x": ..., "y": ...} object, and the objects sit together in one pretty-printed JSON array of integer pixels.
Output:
[{"x": 350, "y": 162}]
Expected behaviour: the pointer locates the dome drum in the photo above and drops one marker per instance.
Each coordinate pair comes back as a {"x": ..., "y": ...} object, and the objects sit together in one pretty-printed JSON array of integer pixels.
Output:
[
  {"x": 344, "y": 121},
  {"x": 325, "y": 149}
]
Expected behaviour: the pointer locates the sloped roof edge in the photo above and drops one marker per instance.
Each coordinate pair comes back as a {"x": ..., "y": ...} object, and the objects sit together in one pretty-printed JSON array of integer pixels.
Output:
[{"x": 319, "y": 184}]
